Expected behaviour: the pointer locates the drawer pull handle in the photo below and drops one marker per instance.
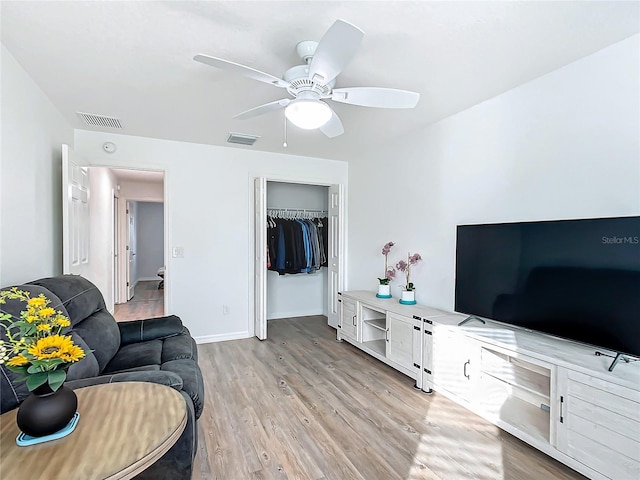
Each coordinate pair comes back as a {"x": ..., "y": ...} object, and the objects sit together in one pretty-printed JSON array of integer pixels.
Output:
[{"x": 464, "y": 368}]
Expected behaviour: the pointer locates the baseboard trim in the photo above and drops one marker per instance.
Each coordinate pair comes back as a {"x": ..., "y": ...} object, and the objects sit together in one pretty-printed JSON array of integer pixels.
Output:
[
  {"x": 148, "y": 279},
  {"x": 222, "y": 337}
]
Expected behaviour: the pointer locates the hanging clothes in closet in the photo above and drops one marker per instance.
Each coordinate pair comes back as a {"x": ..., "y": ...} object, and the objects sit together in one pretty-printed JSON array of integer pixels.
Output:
[{"x": 296, "y": 241}]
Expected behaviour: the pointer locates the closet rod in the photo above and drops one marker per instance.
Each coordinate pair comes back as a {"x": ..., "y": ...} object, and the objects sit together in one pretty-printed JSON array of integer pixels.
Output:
[
  {"x": 291, "y": 213},
  {"x": 304, "y": 210}
]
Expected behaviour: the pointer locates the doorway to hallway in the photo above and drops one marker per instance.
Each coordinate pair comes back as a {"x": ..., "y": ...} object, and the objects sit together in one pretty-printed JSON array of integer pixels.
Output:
[{"x": 147, "y": 302}]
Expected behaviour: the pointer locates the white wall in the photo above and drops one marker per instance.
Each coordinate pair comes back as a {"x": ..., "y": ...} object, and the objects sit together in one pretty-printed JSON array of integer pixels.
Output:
[
  {"x": 303, "y": 293},
  {"x": 209, "y": 197},
  {"x": 565, "y": 145},
  {"x": 102, "y": 186},
  {"x": 150, "y": 241},
  {"x": 32, "y": 132}
]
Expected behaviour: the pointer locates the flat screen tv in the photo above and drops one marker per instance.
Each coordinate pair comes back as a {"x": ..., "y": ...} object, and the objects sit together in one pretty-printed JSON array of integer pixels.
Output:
[{"x": 576, "y": 279}]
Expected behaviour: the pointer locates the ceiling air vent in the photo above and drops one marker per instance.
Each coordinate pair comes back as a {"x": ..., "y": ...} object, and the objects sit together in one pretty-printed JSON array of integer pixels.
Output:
[
  {"x": 242, "y": 138},
  {"x": 94, "y": 120}
]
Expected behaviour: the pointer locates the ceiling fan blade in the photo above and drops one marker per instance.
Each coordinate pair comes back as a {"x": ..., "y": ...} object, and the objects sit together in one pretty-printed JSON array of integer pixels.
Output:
[
  {"x": 376, "y": 97},
  {"x": 333, "y": 127},
  {"x": 267, "y": 107},
  {"x": 241, "y": 70},
  {"x": 335, "y": 50}
]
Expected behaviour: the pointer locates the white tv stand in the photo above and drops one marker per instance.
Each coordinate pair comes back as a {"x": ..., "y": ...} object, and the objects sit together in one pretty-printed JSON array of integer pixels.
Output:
[{"x": 555, "y": 394}]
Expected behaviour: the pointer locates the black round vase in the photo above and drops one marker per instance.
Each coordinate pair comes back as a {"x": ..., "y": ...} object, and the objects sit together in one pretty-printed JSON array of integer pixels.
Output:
[{"x": 45, "y": 412}]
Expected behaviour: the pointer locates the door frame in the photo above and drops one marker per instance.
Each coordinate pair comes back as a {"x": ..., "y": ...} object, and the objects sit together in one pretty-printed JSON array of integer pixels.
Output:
[
  {"x": 121, "y": 246},
  {"x": 120, "y": 272},
  {"x": 252, "y": 237}
]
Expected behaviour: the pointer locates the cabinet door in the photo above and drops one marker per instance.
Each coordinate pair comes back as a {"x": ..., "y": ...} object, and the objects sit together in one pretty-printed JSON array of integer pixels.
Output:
[
  {"x": 348, "y": 325},
  {"x": 598, "y": 424},
  {"x": 427, "y": 355},
  {"x": 400, "y": 340},
  {"x": 456, "y": 362}
]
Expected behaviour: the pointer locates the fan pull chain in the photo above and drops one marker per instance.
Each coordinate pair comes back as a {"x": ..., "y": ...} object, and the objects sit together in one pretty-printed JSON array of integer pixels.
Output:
[{"x": 285, "y": 133}]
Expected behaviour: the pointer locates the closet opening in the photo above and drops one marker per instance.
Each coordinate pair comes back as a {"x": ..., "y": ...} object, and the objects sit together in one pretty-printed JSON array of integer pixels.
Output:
[
  {"x": 298, "y": 245},
  {"x": 297, "y": 250}
]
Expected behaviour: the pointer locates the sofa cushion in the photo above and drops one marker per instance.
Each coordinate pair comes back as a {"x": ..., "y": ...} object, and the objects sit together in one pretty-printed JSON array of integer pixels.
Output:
[
  {"x": 80, "y": 297},
  {"x": 149, "y": 329},
  {"x": 88, "y": 366},
  {"x": 136, "y": 355},
  {"x": 88, "y": 314},
  {"x": 192, "y": 383},
  {"x": 101, "y": 334},
  {"x": 179, "y": 347}
]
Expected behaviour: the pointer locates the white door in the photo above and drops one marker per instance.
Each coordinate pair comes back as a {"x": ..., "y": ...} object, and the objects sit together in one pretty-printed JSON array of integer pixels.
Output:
[
  {"x": 75, "y": 214},
  {"x": 260, "y": 265},
  {"x": 335, "y": 249},
  {"x": 131, "y": 250}
]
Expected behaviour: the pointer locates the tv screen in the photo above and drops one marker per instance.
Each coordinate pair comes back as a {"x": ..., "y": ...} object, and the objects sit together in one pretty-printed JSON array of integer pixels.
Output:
[{"x": 577, "y": 279}]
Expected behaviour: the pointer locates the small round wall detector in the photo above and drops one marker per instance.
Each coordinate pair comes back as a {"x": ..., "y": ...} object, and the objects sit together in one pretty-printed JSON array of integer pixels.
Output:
[{"x": 109, "y": 147}]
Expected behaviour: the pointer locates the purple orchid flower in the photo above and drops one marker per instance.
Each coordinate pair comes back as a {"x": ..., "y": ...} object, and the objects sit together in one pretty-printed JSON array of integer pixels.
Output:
[
  {"x": 387, "y": 248},
  {"x": 390, "y": 274},
  {"x": 405, "y": 267}
]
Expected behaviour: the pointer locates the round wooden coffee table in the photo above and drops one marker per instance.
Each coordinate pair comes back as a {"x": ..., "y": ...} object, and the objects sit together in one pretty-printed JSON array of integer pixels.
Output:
[{"x": 123, "y": 429}]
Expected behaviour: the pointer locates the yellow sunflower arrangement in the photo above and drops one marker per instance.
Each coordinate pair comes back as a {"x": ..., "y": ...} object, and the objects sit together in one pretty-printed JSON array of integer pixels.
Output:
[{"x": 35, "y": 347}]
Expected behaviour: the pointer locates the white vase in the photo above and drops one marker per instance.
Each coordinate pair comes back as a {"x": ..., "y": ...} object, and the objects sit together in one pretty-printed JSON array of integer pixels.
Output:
[
  {"x": 408, "y": 296},
  {"x": 384, "y": 291}
]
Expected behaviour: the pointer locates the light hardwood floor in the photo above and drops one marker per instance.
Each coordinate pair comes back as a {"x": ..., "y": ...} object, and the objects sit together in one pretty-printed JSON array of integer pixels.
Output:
[
  {"x": 302, "y": 406},
  {"x": 147, "y": 302}
]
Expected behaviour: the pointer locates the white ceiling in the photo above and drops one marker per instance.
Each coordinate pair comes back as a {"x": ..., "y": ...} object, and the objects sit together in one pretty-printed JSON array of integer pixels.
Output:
[{"x": 133, "y": 60}]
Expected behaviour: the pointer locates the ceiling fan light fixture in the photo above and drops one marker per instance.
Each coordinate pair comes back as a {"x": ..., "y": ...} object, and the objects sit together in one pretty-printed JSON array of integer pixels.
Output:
[{"x": 308, "y": 114}]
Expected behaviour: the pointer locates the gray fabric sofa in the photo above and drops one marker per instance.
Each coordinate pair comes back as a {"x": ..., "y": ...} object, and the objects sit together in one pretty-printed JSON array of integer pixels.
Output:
[{"x": 159, "y": 350}]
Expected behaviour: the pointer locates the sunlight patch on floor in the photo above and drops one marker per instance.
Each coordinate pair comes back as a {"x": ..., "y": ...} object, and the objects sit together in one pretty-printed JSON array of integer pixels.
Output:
[{"x": 456, "y": 447}]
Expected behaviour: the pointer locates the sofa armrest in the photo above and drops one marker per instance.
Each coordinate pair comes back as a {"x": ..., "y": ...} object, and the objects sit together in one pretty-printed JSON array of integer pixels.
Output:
[
  {"x": 149, "y": 329},
  {"x": 169, "y": 379}
]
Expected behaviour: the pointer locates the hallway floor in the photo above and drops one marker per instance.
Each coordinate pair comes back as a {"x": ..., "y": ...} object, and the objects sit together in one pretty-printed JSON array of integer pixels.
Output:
[{"x": 147, "y": 302}]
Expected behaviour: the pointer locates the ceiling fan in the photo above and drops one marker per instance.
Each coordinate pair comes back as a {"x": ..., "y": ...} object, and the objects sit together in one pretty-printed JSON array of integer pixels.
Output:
[{"x": 312, "y": 83}]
